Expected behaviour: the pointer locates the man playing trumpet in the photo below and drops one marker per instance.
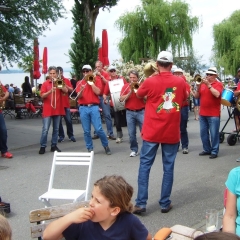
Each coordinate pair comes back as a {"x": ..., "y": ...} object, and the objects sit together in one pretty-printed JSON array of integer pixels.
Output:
[
  {"x": 88, "y": 91},
  {"x": 134, "y": 109},
  {"x": 210, "y": 91},
  {"x": 53, "y": 109}
]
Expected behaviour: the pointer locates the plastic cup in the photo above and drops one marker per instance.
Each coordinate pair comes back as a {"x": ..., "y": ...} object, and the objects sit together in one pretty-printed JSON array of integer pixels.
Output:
[{"x": 211, "y": 220}]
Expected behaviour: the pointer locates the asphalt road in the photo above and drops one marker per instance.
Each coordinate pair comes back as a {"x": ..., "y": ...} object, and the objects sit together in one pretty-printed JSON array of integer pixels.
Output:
[{"x": 198, "y": 184}]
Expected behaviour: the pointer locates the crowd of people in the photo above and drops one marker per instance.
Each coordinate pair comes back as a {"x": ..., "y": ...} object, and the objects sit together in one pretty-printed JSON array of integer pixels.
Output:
[{"x": 164, "y": 106}]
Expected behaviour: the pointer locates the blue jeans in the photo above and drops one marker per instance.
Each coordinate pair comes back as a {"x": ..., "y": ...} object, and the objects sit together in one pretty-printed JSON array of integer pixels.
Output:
[
  {"x": 46, "y": 124},
  {"x": 134, "y": 119},
  {"x": 69, "y": 126},
  {"x": 147, "y": 157},
  {"x": 3, "y": 135},
  {"x": 90, "y": 115},
  {"x": 108, "y": 119},
  {"x": 183, "y": 127},
  {"x": 209, "y": 132}
]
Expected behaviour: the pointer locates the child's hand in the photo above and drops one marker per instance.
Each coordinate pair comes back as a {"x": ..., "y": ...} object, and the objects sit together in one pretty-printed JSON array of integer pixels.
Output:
[{"x": 81, "y": 215}]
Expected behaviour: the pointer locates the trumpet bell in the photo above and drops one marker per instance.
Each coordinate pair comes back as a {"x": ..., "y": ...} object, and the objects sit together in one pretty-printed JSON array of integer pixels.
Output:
[
  {"x": 90, "y": 79},
  {"x": 150, "y": 68},
  {"x": 60, "y": 84},
  {"x": 198, "y": 79}
]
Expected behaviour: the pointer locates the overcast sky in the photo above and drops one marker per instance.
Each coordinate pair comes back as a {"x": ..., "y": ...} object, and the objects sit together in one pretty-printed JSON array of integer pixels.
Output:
[{"x": 59, "y": 38}]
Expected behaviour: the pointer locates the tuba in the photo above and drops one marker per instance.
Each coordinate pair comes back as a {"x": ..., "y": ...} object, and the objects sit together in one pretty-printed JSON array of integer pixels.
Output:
[
  {"x": 150, "y": 68},
  {"x": 2, "y": 94}
]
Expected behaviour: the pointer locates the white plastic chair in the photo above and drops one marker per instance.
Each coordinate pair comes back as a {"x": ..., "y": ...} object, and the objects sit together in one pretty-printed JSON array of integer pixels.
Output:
[{"x": 72, "y": 159}]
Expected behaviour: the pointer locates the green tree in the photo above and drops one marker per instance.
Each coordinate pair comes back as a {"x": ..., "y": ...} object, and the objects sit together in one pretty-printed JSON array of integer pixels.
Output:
[
  {"x": 191, "y": 64},
  {"x": 91, "y": 11},
  {"x": 83, "y": 50},
  {"x": 226, "y": 46},
  {"x": 26, "y": 20},
  {"x": 26, "y": 65},
  {"x": 156, "y": 25}
]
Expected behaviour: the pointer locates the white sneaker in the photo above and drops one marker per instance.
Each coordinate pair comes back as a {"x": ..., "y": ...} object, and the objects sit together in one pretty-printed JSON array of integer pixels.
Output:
[
  {"x": 118, "y": 140},
  {"x": 133, "y": 154},
  {"x": 185, "y": 151}
]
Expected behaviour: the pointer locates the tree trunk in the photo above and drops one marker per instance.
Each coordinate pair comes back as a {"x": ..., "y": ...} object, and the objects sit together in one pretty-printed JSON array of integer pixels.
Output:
[{"x": 91, "y": 15}]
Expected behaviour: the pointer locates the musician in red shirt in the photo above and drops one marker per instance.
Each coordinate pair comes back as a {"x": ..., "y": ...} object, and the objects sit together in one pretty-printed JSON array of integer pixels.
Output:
[
  {"x": 184, "y": 113},
  {"x": 106, "y": 93},
  {"x": 53, "y": 109},
  {"x": 103, "y": 76},
  {"x": 3, "y": 130},
  {"x": 134, "y": 109},
  {"x": 210, "y": 91},
  {"x": 88, "y": 90},
  {"x": 66, "y": 104},
  {"x": 165, "y": 94}
]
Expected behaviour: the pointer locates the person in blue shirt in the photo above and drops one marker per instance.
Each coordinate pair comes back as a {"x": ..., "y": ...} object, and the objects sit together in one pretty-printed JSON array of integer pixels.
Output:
[
  {"x": 108, "y": 216},
  {"x": 236, "y": 79},
  {"x": 231, "y": 218}
]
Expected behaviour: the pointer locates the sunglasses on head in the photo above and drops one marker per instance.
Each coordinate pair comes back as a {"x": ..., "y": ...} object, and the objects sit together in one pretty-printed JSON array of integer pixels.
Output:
[
  {"x": 113, "y": 70},
  {"x": 85, "y": 70},
  {"x": 209, "y": 74}
]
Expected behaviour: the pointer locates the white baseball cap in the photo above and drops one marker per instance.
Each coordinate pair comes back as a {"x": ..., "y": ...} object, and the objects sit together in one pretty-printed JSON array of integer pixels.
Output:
[
  {"x": 87, "y": 67},
  {"x": 165, "y": 56}
]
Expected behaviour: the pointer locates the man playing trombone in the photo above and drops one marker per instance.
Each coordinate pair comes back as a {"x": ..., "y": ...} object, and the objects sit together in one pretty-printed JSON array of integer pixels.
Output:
[
  {"x": 103, "y": 76},
  {"x": 67, "y": 116},
  {"x": 53, "y": 109},
  {"x": 134, "y": 109},
  {"x": 88, "y": 91}
]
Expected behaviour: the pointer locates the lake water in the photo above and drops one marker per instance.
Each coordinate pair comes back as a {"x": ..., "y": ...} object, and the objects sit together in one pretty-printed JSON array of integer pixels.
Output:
[{"x": 18, "y": 78}]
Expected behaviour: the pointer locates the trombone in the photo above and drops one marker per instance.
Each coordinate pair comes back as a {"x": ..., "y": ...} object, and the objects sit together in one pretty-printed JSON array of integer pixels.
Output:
[
  {"x": 90, "y": 79},
  {"x": 59, "y": 84}
]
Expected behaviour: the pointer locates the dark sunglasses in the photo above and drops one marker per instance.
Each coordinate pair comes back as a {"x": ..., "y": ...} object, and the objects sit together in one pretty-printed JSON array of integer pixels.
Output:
[
  {"x": 209, "y": 74},
  {"x": 112, "y": 70},
  {"x": 85, "y": 71}
]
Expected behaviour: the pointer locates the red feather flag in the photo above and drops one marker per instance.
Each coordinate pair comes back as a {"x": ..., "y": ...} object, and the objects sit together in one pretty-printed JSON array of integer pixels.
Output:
[
  {"x": 105, "y": 48},
  {"x": 36, "y": 65},
  {"x": 44, "y": 61}
]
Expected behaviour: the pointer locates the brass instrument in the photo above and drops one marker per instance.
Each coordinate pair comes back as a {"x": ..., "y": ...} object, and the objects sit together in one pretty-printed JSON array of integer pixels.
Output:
[
  {"x": 150, "y": 68},
  {"x": 90, "y": 79},
  {"x": 2, "y": 94},
  {"x": 59, "y": 84},
  {"x": 198, "y": 79},
  {"x": 135, "y": 86}
]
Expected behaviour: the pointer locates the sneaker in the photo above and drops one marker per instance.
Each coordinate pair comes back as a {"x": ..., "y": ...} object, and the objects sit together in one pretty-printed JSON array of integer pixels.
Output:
[
  {"x": 61, "y": 139},
  {"x": 138, "y": 210},
  {"x": 111, "y": 137},
  {"x": 55, "y": 148},
  {"x": 95, "y": 137},
  {"x": 185, "y": 151},
  {"x": 133, "y": 154},
  {"x": 238, "y": 160},
  {"x": 42, "y": 150},
  {"x": 72, "y": 139},
  {"x": 7, "y": 155},
  {"x": 89, "y": 150},
  {"x": 118, "y": 140},
  {"x": 166, "y": 210},
  {"x": 107, "y": 150}
]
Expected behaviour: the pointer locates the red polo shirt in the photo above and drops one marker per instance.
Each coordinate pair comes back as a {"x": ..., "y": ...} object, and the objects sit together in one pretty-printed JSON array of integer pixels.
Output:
[
  {"x": 165, "y": 94},
  {"x": 88, "y": 97},
  {"x": 209, "y": 104},
  {"x": 133, "y": 102},
  {"x": 48, "y": 110},
  {"x": 106, "y": 76},
  {"x": 65, "y": 97}
]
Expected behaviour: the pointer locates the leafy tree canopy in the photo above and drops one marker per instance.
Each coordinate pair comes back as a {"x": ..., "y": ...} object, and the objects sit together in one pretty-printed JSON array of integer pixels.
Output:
[
  {"x": 26, "y": 20},
  {"x": 227, "y": 43},
  {"x": 156, "y": 25}
]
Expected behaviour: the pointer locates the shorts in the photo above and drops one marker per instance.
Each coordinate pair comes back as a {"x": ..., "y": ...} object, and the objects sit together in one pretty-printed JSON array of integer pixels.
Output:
[
  {"x": 196, "y": 102},
  {"x": 236, "y": 112}
]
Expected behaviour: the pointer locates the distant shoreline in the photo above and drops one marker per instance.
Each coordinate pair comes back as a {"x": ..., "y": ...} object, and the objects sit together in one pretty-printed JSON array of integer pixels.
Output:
[{"x": 21, "y": 71}]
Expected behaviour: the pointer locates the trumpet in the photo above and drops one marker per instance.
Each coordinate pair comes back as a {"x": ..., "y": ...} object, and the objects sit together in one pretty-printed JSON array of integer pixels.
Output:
[
  {"x": 90, "y": 79},
  {"x": 135, "y": 86},
  {"x": 198, "y": 79}
]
